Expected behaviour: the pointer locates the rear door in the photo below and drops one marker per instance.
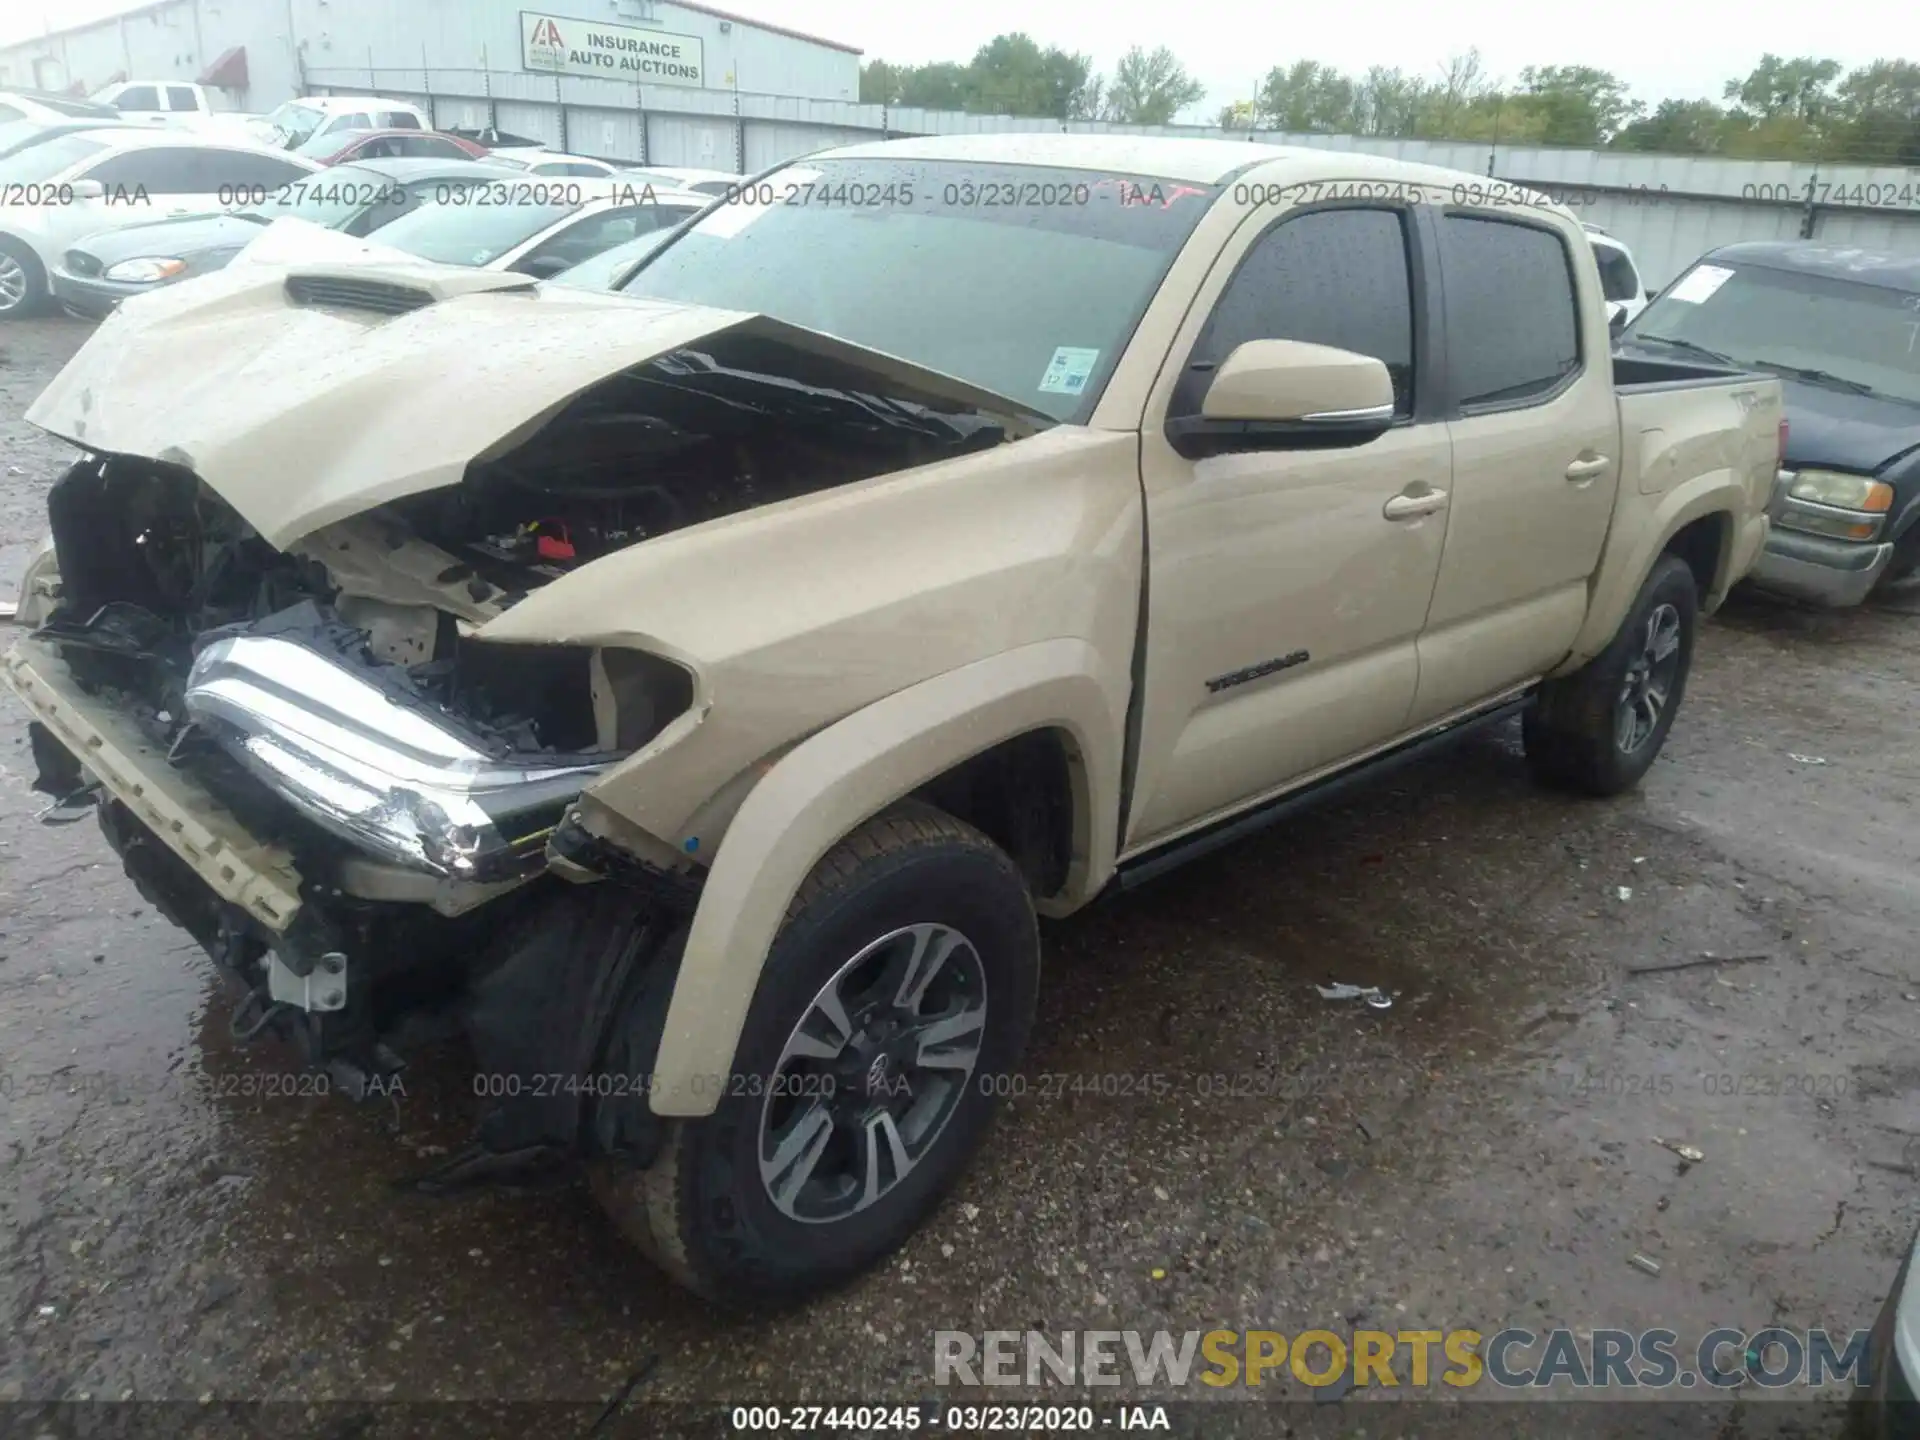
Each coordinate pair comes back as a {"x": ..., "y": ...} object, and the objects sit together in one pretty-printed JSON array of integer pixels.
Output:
[
  {"x": 1283, "y": 605},
  {"x": 1536, "y": 453}
]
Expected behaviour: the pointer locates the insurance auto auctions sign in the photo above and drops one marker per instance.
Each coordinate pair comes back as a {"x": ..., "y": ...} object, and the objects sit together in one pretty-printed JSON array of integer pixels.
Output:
[{"x": 561, "y": 45}]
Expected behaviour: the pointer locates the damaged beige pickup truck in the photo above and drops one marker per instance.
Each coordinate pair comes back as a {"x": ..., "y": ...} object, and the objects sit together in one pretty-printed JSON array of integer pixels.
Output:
[{"x": 693, "y": 693}]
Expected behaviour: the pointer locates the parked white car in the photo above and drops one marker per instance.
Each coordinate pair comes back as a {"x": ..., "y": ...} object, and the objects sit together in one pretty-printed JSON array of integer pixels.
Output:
[
  {"x": 542, "y": 233},
  {"x": 1620, "y": 282},
  {"x": 94, "y": 180},
  {"x": 298, "y": 121},
  {"x": 552, "y": 162}
]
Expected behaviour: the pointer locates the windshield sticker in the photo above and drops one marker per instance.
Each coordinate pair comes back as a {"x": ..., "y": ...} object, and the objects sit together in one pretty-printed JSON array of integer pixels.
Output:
[
  {"x": 1700, "y": 284},
  {"x": 1068, "y": 371}
]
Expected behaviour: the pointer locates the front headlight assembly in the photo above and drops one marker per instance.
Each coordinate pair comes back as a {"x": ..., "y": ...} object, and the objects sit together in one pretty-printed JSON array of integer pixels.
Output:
[
  {"x": 391, "y": 778},
  {"x": 1831, "y": 502},
  {"x": 147, "y": 270}
]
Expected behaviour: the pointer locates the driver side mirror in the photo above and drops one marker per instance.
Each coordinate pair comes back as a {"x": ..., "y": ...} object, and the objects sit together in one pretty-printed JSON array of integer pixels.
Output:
[
  {"x": 1287, "y": 394},
  {"x": 87, "y": 190},
  {"x": 1617, "y": 323}
]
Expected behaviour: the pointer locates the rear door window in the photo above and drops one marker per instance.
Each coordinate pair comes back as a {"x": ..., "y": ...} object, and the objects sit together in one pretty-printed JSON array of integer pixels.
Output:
[
  {"x": 1513, "y": 323},
  {"x": 181, "y": 97},
  {"x": 155, "y": 169},
  {"x": 138, "y": 97}
]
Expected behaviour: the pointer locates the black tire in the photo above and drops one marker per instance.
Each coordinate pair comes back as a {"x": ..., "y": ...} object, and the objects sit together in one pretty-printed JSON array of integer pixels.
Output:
[
  {"x": 33, "y": 276},
  {"x": 1574, "y": 736},
  {"x": 701, "y": 1209}
]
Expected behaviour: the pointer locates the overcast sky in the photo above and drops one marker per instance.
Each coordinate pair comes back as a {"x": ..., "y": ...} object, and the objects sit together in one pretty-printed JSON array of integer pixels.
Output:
[{"x": 1663, "y": 49}]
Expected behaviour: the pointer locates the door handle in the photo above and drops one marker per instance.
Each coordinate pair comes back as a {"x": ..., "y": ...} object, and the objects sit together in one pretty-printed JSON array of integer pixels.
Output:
[
  {"x": 1406, "y": 507},
  {"x": 1587, "y": 469}
]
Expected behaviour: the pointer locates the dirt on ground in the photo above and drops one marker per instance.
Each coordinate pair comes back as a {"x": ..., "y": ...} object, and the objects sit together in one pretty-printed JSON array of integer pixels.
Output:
[{"x": 1485, "y": 1153}]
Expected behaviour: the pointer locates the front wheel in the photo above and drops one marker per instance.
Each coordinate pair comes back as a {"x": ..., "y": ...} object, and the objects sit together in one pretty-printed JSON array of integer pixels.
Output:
[
  {"x": 1597, "y": 730},
  {"x": 900, "y": 986}
]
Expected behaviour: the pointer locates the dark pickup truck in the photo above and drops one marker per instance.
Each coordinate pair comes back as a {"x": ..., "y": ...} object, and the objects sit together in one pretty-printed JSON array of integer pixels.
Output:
[{"x": 1840, "y": 326}]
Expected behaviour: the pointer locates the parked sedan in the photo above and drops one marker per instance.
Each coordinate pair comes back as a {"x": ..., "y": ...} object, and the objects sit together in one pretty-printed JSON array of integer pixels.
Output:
[
  {"x": 99, "y": 272},
  {"x": 18, "y": 135},
  {"x": 97, "y": 180},
  {"x": 1841, "y": 327},
  {"x": 537, "y": 228},
  {"x": 351, "y": 146}
]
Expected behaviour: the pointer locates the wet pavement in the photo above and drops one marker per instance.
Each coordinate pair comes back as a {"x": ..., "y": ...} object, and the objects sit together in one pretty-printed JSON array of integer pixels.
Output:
[{"x": 177, "y": 1221}]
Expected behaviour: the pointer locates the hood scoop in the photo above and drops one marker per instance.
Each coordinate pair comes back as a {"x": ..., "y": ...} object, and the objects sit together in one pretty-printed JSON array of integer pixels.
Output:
[{"x": 354, "y": 288}]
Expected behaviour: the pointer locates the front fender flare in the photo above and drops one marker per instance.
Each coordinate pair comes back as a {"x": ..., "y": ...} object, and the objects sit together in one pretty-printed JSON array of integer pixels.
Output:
[{"x": 827, "y": 785}]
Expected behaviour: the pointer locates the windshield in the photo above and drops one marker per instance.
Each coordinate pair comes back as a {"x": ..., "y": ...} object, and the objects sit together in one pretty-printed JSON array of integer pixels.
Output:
[
  {"x": 295, "y": 122},
  {"x": 600, "y": 271},
  {"x": 1024, "y": 280},
  {"x": 51, "y": 158},
  {"x": 470, "y": 232},
  {"x": 1792, "y": 319},
  {"x": 332, "y": 198}
]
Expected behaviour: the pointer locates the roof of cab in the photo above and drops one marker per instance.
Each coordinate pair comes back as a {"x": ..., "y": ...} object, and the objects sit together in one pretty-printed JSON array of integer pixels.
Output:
[
  {"x": 1842, "y": 262},
  {"x": 1195, "y": 161}
]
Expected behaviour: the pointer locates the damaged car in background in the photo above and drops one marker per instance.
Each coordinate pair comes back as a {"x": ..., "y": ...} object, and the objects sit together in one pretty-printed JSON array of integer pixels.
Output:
[{"x": 692, "y": 693}]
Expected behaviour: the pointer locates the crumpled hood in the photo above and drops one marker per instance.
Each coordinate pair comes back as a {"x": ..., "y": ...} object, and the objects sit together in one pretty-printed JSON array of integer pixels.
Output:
[{"x": 302, "y": 414}]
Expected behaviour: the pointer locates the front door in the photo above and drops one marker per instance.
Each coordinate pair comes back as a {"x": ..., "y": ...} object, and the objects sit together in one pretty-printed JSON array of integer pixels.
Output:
[{"x": 1285, "y": 595}]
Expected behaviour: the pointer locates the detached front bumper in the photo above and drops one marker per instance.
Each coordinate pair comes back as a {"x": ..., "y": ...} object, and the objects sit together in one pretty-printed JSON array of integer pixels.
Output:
[
  {"x": 258, "y": 878},
  {"x": 1820, "y": 571}
]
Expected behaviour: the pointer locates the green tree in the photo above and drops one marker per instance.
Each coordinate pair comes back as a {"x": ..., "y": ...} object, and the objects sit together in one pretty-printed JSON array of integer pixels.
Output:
[
  {"x": 1801, "y": 88},
  {"x": 1150, "y": 88},
  {"x": 1677, "y": 127},
  {"x": 1308, "y": 98},
  {"x": 1574, "y": 104},
  {"x": 1009, "y": 75},
  {"x": 1012, "y": 75},
  {"x": 1389, "y": 102},
  {"x": 1877, "y": 114}
]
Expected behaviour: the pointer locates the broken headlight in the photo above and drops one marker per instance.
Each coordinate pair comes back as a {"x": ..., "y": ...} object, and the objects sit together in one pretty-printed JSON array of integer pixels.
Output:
[{"x": 388, "y": 776}]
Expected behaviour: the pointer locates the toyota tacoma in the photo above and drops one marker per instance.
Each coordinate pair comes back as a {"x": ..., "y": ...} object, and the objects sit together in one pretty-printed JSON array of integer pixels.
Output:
[{"x": 693, "y": 693}]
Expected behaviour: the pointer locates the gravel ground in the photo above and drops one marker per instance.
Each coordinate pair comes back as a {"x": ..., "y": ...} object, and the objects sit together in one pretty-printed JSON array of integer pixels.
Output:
[{"x": 1482, "y": 1154}]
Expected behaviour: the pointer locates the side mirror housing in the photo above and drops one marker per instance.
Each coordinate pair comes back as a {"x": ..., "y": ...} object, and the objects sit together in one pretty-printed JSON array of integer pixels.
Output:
[
  {"x": 88, "y": 190},
  {"x": 1618, "y": 322},
  {"x": 1287, "y": 394}
]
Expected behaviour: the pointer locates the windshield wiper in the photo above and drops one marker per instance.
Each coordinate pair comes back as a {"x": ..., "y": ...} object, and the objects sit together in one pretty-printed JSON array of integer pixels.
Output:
[
  {"x": 1686, "y": 345},
  {"x": 1819, "y": 377}
]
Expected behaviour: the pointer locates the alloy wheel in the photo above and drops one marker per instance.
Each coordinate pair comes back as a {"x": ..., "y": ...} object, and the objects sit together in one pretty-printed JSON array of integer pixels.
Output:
[
  {"x": 1649, "y": 680},
  {"x": 872, "y": 1073}
]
